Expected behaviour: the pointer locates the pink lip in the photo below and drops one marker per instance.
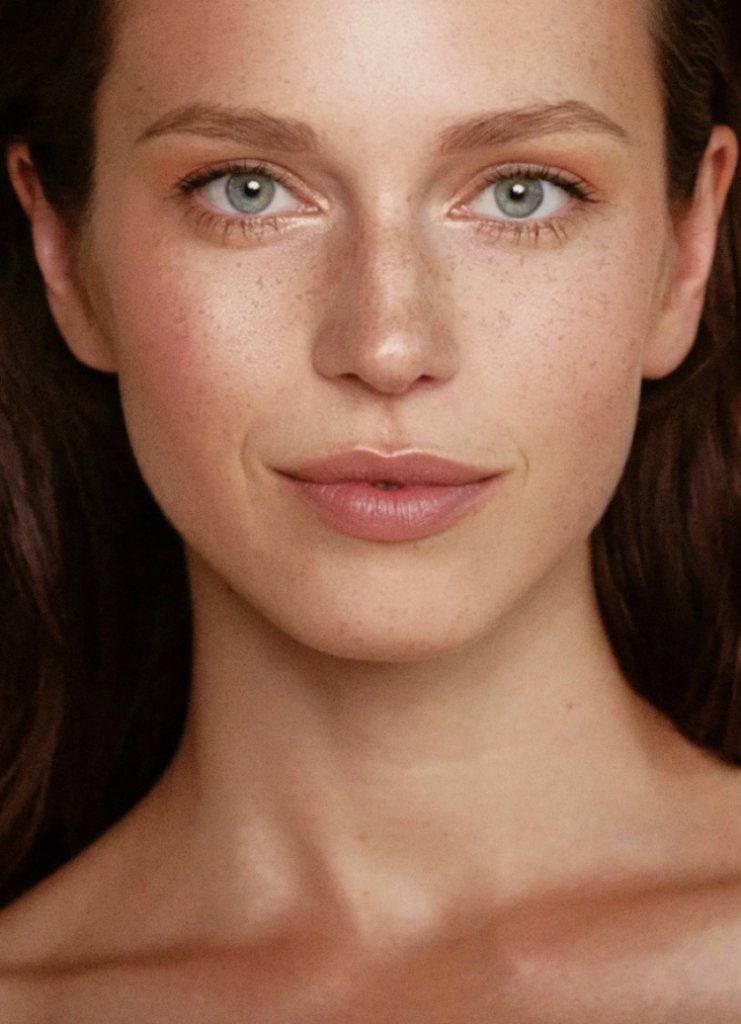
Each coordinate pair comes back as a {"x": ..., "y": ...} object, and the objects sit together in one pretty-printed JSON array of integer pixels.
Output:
[{"x": 427, "y": 494}]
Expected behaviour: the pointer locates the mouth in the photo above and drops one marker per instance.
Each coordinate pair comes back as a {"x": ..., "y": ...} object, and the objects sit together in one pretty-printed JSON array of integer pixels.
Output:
[
  {"x": 388, "y": 472},
  {"x": 400, "y": 497}
]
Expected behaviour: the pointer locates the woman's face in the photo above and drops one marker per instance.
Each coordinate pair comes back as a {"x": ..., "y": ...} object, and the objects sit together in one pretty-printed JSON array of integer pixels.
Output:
[{"x": 397, "y": 226}]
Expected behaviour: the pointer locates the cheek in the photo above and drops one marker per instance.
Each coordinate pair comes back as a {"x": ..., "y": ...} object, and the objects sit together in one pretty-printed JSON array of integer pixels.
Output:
[
  {"x": 557, "y": 362},
  {"x": 207, "y": 356},
  {"x": 215, "y": 358},
  {"x": 214, "y": 350}
]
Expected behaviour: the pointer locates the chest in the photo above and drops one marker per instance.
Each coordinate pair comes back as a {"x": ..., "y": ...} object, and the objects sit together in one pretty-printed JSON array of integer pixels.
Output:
[{"x": 464, "y": 983}]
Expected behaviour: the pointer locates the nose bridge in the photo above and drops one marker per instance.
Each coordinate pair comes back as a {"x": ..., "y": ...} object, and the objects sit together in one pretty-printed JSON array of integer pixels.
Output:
[
  {"x": 394, "y": 273},
  {"x": 384, "y": 325}
]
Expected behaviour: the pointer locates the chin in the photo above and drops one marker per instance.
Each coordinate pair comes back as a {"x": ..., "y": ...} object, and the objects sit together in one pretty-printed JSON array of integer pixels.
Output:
[
  {"x": 382, "y": 621},
  {"x": 386, "y": 638},
  {"x": 377, "y": 649}
]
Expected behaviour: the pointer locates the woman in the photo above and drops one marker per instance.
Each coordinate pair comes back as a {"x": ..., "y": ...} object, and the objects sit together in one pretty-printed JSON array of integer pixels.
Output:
[{"x": 382, "y": 288}]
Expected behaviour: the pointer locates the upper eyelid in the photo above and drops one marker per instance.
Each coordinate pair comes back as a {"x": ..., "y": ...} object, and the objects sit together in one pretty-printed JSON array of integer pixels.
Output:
[
  {"x": 580, "y": 193},
  {"x": 513, "y": 168},
  {"x": 499, "y": 172},
  {"x": 200, "y": 177}
]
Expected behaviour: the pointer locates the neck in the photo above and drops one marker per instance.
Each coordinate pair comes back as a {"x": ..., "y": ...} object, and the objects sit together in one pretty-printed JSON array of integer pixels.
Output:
[{"x": 382, "y": 791}]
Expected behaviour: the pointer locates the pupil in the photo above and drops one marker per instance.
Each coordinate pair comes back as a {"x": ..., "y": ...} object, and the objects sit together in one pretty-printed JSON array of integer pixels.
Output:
[
  {"x": 250, "y": 193},
  {"x": 519, "y": 197}
]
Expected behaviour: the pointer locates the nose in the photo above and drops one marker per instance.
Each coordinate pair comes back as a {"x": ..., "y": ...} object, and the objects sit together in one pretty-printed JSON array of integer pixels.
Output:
[{"x": 384, "y": 326}]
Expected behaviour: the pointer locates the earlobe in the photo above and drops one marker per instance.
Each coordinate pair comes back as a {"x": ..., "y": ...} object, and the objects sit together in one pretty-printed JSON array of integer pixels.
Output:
[
  {"x": 695, "y": 239},
  {"x": 55, "y": 255}
]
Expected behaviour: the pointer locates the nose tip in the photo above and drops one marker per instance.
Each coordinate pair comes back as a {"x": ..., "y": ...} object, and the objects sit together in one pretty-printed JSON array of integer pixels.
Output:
[
  {"x": 396, "y": 365},
  {"x": 385, "y": 324}
]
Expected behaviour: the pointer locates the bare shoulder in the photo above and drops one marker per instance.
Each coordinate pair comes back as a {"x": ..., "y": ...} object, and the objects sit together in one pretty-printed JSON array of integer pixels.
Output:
[
  {"x": 671, "y": 951},
  {"x": 662, "y": 947},
  {"x": 83, "y": 912},
  {"x": 109, "y": 903},
  {"x": 57, "y": 920},
  {"x": 658, "y": 956}
]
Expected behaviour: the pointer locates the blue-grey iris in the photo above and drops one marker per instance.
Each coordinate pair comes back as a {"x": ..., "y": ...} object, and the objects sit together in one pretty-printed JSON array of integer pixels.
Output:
[
  {"x": 519, "y": 197},
  {"x": 250, "y": 192}
]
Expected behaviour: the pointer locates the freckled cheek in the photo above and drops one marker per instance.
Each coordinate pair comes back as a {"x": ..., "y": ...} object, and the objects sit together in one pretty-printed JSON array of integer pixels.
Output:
[
  {"x": 208, "y": 350},
  {"x": 558, "y": 352}
]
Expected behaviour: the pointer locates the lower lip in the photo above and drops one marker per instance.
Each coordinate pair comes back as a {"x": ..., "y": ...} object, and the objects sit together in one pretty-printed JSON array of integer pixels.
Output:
[{"x": 362, "y": 510}]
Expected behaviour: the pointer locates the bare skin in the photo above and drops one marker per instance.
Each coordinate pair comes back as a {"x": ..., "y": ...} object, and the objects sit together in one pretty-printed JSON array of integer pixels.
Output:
[{"x": 413, "y": 785}]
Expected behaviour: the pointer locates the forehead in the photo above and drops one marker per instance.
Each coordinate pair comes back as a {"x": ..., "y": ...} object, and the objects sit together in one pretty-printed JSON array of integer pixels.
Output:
[{"x": 352, "y": 64}]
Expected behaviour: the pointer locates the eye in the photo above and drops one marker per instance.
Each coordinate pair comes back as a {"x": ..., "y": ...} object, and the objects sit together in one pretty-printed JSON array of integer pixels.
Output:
[
  {"x": 522, "y": 197},
  {"x": 249, "y": 192}
]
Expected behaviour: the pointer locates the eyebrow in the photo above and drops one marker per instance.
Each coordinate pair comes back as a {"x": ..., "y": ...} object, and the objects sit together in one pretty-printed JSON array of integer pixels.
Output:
[
  {"x": 527, "y": 123},
  {"x": 246, "y": 127},
  {"x": 255, "y": 127}
]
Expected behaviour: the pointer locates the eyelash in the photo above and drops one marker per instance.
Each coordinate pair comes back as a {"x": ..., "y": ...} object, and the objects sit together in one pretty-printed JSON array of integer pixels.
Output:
[
  {"x": 531, "y": 230},
  {"x": 255, "y": 227}
]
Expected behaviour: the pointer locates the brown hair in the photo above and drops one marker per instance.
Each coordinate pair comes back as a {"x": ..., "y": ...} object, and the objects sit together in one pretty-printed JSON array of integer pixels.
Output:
[
  {"x": 94, "y": 619},
  {"x": 667, "y": 554},
  {"x": 94, "y": 616}
]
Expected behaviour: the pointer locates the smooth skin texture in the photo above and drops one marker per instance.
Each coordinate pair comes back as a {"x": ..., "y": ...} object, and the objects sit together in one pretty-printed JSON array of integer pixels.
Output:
[{"x": 413, "y": 783}]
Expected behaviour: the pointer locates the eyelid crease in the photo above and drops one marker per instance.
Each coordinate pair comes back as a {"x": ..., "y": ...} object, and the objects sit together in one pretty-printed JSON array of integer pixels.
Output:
[
  {"x": 250, "y": 228},
  {"x": 519, "y": 169},
  {"x": 258, "y": 224},
  {"x": 196, "y": 181},
  {"x": 576, "y": 187},
  {"x": 199, "y": 178},
  {"x": 530, "y": 228}
]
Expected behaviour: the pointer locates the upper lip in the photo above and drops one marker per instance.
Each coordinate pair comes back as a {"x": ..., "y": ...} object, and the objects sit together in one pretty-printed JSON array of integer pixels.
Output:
[{"x": 407, "y": 469}]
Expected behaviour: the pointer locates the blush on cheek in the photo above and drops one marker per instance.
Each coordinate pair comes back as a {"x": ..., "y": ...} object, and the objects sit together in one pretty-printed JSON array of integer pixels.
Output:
[{"x": 198, "y": 371}]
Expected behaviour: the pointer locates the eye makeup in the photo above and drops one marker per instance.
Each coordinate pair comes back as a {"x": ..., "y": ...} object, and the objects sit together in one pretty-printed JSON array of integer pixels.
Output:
[{"x": 557, "y": 196}]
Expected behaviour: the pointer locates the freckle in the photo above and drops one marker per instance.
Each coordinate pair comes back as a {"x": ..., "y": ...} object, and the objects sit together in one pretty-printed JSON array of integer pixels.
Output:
[
  {"x": 570, "y": 706},
  {"x": 362, "y": 837}
]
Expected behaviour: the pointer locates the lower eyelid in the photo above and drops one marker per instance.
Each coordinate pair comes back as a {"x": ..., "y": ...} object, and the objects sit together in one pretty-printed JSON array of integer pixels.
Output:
[
  {"x": 553, "y": 193},
  {"x": 531, "y": 231},
  {"x": 238, "y": 230},
  {"x": 289, "y": 202},
  {"x": 224, "y": 221}
]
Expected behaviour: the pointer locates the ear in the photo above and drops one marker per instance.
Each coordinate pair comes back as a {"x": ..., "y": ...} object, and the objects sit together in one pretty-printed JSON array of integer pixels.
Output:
[
  {"x": 56, "y": 256},
  {"x": 691, "y": 260}
]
